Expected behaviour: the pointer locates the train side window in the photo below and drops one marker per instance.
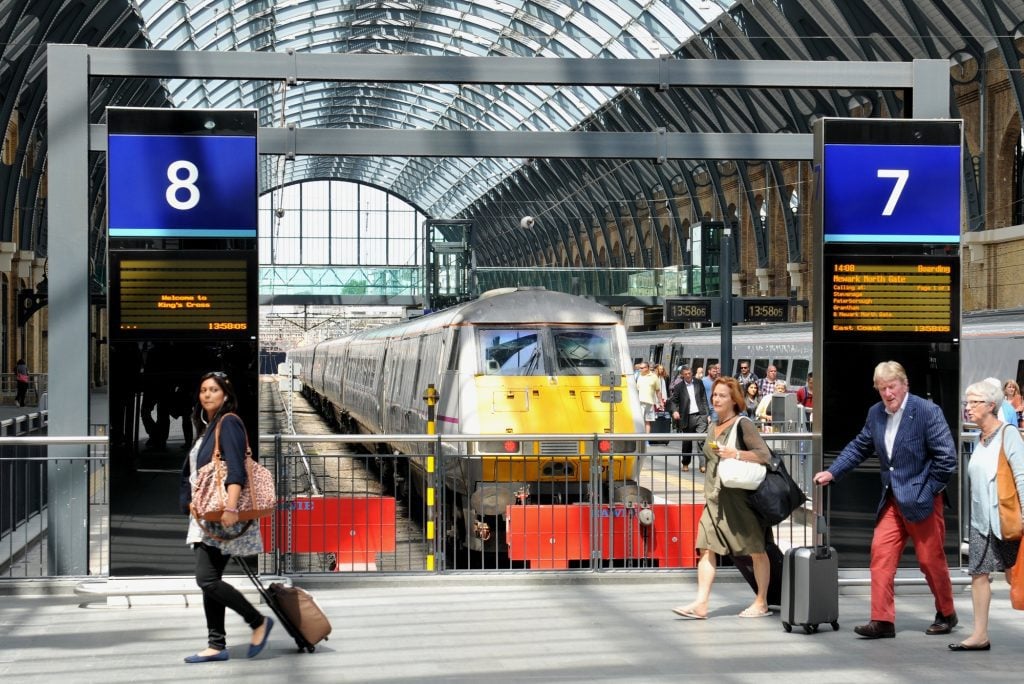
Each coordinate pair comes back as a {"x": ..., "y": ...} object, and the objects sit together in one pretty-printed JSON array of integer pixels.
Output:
[
  {"x": 697, "y": 362},
  {"x": 799, "y": 374},
  {"x": 760, "y": 367},
  {"x": 453, "y": 356},
  {"x": 782, "y": 365}
]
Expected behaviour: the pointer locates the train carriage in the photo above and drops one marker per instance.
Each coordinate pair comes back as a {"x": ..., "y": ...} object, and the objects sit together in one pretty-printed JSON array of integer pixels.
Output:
[{"x": 513, "y": 362}]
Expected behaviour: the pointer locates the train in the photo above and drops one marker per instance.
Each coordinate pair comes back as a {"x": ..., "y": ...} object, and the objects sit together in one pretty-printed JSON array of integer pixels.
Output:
[
  {"x": 991, "y": 345},
  {"x": 512, "y": 362}
]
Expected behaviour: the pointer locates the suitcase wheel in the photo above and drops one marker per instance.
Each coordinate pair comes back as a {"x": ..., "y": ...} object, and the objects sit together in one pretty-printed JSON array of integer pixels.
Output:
[
  {"x": 810, "y": 629},
  {"x": 788, "y": 627},
  {"x": 835, "y": 626}
]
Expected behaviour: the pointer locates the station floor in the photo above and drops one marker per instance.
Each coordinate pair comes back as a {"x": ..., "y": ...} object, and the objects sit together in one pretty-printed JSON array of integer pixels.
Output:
[{"x": 510, "y": 628}]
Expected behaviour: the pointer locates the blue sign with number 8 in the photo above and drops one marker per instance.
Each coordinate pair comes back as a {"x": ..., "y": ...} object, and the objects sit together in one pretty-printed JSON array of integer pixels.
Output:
[{"x": 182, "y": 185}]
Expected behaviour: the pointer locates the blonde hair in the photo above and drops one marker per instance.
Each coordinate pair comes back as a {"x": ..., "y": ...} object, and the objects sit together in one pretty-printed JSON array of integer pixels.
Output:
[{"x": 888, "y": 371}]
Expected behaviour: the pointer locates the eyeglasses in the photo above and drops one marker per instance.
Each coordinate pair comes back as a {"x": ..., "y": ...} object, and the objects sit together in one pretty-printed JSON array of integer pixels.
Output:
[
  {"x": 975, "y": 402},
  {"x": 644, "y": 368},
  {"x": 744, "y": 367}
]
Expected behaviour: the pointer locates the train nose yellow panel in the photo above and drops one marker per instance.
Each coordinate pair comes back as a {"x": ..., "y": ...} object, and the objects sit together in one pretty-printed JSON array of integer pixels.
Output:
[
  {"x": 510, "y": 401},
  {"x": 591, "y": 401}
]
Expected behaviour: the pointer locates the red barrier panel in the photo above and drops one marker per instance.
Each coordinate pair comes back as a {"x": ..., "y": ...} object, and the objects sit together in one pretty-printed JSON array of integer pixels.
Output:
[
  {"x": 354, "y": 529},
  {"x": 553, "y": 536}
]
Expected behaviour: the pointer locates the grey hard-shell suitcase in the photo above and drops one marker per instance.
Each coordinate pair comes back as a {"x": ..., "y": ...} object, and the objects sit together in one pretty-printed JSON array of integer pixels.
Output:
[{"x": 810, "y": 587}]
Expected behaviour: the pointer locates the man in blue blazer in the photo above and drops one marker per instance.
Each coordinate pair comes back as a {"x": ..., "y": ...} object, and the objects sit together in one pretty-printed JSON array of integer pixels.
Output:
[{"x": 917, "y": 455}]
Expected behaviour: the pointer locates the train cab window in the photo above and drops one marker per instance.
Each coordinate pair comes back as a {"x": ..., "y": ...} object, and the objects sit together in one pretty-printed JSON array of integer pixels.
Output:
[
  {"x": 584, "y": 351},
  {"x": 510, "y": 352},
  {"x": 798, "y": 375}
]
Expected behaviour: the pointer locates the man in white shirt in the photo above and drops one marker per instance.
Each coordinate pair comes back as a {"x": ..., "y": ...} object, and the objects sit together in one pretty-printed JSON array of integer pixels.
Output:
[{"x": 688, "y": 404}]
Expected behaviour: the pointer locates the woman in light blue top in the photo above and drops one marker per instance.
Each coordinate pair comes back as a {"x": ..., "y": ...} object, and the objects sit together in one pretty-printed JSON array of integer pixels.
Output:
[{"x": 988, "y": 552}]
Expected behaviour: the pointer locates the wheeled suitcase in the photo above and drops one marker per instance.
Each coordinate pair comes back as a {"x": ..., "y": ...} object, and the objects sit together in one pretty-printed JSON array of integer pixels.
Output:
[
  {"x": 746, "y": 567},
  {"x": 662, "y": 425},
  {"x": 295, "y": 608},
  {"x": 810, "y": 586}
]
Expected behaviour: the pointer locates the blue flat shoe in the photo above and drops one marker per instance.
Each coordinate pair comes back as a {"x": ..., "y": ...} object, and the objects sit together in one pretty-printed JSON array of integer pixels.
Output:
[
  {"x": 220, "y": 655},
  {"x": 254, "y": 649}
]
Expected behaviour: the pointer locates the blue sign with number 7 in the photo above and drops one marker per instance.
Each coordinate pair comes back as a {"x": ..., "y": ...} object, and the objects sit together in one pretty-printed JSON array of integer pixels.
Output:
[
  {"x": 891, "y": 193},
  {"x": 182, "y": 185}
]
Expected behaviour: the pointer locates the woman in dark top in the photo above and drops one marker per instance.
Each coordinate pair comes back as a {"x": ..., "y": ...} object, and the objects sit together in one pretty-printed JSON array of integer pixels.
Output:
[
  {"x": 22, "y": 378},
  {"x": 728, "y": 525},
  {"x": 753, "y": 399},
  {"x": 216, "y": 542}
]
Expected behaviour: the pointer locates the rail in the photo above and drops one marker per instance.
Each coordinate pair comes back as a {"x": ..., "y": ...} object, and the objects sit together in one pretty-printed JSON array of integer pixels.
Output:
[{"x": 367, "y": 513}]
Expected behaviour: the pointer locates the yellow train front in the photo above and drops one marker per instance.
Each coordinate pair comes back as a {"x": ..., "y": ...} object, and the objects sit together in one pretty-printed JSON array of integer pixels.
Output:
[{"x": 514, "y": 362}]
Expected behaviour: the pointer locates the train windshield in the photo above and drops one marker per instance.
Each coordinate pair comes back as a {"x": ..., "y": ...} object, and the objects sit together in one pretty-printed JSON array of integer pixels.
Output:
[{"x": 547, "y": 351}]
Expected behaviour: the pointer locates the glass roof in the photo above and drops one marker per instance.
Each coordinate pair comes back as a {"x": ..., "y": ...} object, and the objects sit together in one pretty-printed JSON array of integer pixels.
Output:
[{"x": 619, "y": 29}]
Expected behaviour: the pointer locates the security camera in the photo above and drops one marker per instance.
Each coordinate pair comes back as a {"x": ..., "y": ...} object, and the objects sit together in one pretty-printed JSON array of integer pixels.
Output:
[{"x": 527, "y": 222}]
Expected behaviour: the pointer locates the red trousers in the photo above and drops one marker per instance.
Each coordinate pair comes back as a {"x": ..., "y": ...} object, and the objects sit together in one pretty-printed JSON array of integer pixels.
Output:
[{"x": 891, "y": 533}]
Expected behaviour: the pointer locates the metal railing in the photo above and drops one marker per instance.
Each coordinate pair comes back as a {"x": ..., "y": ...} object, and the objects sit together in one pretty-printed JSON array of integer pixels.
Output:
[
  {"x": 343, "y": 509},
  {"x": 37, "y": 387}
]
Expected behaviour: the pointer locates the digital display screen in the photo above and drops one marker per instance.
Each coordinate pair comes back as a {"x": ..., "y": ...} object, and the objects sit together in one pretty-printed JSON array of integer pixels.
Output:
[
  {"x": 892, "y": 193},
  {"x": 182, "y": 173},
  {"x": 890, "y": 181},
  {"x": 687, "y": 310},
  {"x": 877, "y": 297},
  {"x": 765, "y": 310},
  {"x": 182, "y": 294}
]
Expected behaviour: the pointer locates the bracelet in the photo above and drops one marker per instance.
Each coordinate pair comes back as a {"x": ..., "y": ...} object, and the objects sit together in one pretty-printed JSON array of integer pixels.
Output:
[{"x": 231, "y": 510}]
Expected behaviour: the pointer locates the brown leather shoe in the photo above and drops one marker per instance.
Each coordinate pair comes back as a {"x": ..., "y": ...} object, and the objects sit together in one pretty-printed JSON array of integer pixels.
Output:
[
  {"x": 943, "y": 624},
  {"x": 876, "y": 629}
]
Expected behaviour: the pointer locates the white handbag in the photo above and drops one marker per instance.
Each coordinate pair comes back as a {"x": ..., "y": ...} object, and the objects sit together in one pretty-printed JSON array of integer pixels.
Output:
[{"x": 736, "y": 474}]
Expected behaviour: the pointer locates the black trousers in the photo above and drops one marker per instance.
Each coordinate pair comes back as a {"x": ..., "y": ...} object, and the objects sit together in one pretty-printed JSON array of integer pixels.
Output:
[
  {"x": 696, "y": 423},
  {"x": 218, "y": 595}
]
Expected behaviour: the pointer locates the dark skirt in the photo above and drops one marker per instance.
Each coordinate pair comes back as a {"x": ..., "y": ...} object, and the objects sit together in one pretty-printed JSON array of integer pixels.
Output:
[{"x": 988, "y": 554}]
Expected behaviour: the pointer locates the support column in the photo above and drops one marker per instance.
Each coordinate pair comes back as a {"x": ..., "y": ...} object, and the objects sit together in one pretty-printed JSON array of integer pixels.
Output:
[{"x": 67, "y": 87}]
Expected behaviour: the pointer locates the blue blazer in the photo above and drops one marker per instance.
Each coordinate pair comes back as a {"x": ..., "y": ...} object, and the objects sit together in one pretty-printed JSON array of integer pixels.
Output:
[
  {"x": 232, "y": 450},
  {"x": 923, "y": 456}
]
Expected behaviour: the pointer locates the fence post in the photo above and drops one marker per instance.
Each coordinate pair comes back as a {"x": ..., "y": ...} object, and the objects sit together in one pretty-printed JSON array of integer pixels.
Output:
[{"x": 596, "y": 494}]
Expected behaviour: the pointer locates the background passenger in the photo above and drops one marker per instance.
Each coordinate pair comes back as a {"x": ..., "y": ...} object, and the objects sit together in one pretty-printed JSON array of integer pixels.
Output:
[
  {"x": 753, "y": 398},
  {"x": 648, "y": 386},
  {"x": 1011, "y": 390}
]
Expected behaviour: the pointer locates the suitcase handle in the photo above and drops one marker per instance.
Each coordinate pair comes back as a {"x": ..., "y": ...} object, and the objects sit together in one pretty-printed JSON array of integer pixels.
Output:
[{"x": 822, "y": 520}]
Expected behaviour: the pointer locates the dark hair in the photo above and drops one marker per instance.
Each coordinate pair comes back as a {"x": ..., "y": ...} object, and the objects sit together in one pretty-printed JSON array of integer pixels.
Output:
[
  {"x": 230, "y": 404},
  {"x": 739, "y": 403}
]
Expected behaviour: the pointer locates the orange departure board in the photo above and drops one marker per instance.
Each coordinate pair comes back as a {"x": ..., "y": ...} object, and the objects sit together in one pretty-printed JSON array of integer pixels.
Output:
[
  {"x": 181, "y": 293},
  {"x": 875, "y": 296}
]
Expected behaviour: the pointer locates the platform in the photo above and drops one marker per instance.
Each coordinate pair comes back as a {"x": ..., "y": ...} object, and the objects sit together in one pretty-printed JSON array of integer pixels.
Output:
[{"x": 514, "y": 628}]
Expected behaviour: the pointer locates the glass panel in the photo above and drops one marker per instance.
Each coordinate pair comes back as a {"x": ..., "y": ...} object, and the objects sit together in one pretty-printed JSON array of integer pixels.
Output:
[
  {"x": 799, "y": 375},
  {"x": 588, "y": 351},
  {"x": 510, "y": 352}
]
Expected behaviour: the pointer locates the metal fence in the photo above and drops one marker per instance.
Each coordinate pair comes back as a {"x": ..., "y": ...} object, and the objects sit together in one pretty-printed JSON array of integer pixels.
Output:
[
  {"x": 37, "y": 388},
  {"x": 346, "y": 510}
]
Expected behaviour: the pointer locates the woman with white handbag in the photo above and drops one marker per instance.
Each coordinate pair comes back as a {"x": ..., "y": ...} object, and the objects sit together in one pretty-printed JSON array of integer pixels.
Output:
[{"x": 728, "y": 524}]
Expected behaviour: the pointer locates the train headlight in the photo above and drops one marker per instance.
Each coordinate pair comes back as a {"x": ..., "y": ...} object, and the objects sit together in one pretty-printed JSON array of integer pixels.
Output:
[
  {"x": 505, "y": 446},
  {"x": 616, "y": 446}
]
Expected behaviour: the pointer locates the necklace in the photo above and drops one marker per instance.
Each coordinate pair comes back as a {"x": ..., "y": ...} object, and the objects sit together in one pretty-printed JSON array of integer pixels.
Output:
[{"x": 987, "y": 439}]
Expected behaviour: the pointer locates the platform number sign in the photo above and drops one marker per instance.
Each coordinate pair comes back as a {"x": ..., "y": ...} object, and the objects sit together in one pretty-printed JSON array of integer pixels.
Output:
[
  {"x": 892, "y": 181},
  {"x": 182, "y": 173}
]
